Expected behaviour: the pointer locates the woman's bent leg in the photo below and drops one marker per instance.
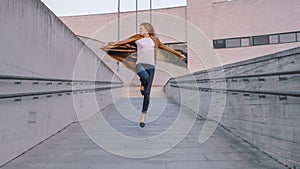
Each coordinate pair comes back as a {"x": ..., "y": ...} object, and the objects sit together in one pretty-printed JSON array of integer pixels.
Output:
[
  {"x": 144, "y": 77},
  {"x": 142, "y": 73}
]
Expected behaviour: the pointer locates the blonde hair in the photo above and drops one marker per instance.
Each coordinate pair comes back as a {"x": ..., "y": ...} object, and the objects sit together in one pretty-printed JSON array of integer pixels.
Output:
[{"x": 149, "y": 28}]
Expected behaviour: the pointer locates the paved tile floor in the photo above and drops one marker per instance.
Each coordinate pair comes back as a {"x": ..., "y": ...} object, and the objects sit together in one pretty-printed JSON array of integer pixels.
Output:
[{"x": 73, "y": 149}]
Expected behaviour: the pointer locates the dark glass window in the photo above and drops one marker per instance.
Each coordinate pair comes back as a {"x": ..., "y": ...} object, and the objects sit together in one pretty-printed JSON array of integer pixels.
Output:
[
  {"x": 261, "y": 40},
  {"x": 233, "y": 43},
  {"x": 273, "y": 39},
  {"x": 245, "y": 41},
  {"x": 257, "y": 40},
  {"x": 289, "y": 37},
  {"x": 219, "y": 43}
]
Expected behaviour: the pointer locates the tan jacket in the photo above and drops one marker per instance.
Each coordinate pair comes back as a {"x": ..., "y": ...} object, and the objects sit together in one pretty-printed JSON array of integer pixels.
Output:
[{"x": 125, "y": 50}]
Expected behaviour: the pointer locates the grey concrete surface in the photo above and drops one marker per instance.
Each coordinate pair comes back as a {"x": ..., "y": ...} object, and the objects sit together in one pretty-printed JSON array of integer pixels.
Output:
[
  {"x": 72, "y": 148},
  {"x": 270, "y": 122},
  {"x": 35, "y": 43}
]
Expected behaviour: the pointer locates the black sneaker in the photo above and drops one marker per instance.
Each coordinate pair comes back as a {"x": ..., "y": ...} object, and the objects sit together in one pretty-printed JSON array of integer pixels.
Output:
[{"x": 142, "y": 124}]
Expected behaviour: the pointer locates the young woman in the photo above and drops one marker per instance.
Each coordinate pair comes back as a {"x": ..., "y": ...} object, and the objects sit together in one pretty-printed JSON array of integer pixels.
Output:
[{"x": 145, "y": 45}]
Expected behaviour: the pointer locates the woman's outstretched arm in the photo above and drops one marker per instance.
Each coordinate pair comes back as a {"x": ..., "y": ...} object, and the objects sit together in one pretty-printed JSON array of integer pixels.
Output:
[{"x": 164, "y": 47}]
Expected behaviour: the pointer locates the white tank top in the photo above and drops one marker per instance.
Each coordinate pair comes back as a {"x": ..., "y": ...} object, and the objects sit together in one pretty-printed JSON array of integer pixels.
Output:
[{"x": 145, "y": 51}]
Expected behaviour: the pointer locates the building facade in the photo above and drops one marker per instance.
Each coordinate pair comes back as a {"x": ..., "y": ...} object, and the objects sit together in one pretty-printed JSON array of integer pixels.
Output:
[{"x": 236, "y": 30}]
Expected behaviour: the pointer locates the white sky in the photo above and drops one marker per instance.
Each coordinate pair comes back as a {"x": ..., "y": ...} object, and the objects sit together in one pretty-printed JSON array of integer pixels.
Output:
[{"x": 84, "y": 7}]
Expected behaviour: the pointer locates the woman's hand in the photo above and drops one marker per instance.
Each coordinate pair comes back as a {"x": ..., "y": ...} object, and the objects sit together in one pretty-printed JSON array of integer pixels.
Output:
[{"x": 182, "y": 57}]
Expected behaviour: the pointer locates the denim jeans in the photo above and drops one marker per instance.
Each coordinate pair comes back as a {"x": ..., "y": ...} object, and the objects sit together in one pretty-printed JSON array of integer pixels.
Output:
[{"x": 146, "y": 74}]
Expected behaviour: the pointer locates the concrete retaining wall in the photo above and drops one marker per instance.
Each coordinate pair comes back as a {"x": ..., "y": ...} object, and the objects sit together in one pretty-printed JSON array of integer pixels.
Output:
[
  {"x": 36, "y": 44},
  {"x": 261, "y": 97}
]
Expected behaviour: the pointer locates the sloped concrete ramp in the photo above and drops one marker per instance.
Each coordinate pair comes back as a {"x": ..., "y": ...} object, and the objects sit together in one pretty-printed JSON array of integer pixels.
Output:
[{"x": 72, "y": 147}]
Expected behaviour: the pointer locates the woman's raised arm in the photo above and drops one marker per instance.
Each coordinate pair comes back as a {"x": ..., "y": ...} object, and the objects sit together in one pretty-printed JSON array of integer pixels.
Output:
[{"x": 164, "y": 47}]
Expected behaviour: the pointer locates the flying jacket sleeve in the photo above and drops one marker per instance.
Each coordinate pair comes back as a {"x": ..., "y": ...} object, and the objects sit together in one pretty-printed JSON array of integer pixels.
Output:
[
  {"x": 123, "y": 51},
  {"x": 164, "y": 47},
  {"x": 125, "y": 45}
]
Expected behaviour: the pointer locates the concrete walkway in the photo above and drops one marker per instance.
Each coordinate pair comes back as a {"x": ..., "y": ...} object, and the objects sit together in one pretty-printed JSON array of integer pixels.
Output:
[{"x": 73, "y": 149}]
